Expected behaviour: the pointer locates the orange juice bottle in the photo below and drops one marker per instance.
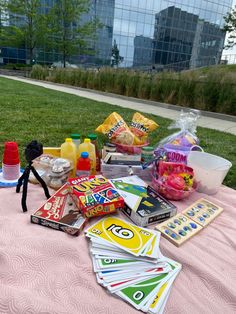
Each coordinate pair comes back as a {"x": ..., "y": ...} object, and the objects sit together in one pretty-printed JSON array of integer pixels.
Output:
[
  {"x": 68, "y": 151},
  {"x": 88, "y": 147},
  {"x": 93, "y": 138}
]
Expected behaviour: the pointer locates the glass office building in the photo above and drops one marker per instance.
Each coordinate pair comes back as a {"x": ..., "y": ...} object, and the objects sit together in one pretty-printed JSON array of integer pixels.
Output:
[
  {"x": 170, "y": 34},
  {"x": 153, "y": 34}
]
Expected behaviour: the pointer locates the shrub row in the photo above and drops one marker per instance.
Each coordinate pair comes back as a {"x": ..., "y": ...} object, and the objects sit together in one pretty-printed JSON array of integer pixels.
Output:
[{"x": 214, "y": 91}]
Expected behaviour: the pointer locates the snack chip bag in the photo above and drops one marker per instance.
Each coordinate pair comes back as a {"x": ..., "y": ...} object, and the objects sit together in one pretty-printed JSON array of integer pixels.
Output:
[
  {"x": 140, "y": 127},
  {"x": 117, "y": 130}
]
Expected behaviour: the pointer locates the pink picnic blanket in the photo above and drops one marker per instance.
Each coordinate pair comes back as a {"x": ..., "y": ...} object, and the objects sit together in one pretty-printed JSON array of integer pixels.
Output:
[{"x": 47, "y": 271}]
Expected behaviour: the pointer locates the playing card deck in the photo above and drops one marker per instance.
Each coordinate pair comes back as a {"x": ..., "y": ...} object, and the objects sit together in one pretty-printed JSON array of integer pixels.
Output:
[
  {"x": 128, "y": 262},
  {"x": 95, "y": 196}
]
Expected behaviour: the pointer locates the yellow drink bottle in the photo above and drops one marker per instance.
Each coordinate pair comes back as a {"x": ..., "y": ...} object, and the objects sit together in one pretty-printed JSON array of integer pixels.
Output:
[
  {"x": 88, "y": 147},
  {"x": 68, "y": 151}
]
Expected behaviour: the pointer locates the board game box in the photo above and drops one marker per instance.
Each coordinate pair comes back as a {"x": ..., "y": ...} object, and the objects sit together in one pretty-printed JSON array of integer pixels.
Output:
[
  {"x": 60, "y": 212},
  {"x": 95, "y": 196},
  {"x": 193, "y": 219},
  {"x": 144, "y": 206}
]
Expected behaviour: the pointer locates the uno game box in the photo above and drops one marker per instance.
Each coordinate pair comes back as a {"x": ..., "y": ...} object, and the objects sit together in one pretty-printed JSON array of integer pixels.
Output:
[
  {"x": 95, "y": 196},
  {"x": 144, "y": 206},
  {"x": 60, "y": 212}
]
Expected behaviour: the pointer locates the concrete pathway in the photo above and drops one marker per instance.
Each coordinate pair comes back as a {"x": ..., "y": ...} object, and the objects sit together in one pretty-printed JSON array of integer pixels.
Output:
[{"x": 155, "y": 108}]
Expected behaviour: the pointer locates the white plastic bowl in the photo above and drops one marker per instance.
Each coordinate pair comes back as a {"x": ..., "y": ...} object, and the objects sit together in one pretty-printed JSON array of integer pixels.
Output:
[{"x": 210, "y": 170}]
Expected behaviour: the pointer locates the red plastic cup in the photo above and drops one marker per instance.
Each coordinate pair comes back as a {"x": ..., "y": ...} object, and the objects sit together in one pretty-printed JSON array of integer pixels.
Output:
[
  {"x": 11, "y": 161},
  {"x": 11, "y": 154}
]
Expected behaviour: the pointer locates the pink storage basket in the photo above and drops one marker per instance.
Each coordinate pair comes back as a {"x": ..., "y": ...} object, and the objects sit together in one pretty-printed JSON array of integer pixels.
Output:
[
  {"x": 130, "y": 149},
  {"x": 169, "y": 192}
]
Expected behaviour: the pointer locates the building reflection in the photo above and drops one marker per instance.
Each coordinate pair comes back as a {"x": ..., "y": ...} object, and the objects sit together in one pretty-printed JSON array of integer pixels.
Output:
[{"x": 150, "y": 34}]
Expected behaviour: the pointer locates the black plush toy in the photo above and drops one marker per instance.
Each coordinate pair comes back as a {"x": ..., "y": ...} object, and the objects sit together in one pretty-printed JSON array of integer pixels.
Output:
[{"x": 32, "y": 151}]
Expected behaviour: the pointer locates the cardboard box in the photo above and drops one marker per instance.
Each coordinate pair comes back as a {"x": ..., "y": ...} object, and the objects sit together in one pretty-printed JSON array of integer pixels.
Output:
[
  {"x": 60, "y": 212},
  {"x": 95, "y": 196},
  {"x": 118, "y": 171},
  {"x": 144, "y": 206},
  {"x": 54, "y": 151},
  {"x": 122, "y": 159}
]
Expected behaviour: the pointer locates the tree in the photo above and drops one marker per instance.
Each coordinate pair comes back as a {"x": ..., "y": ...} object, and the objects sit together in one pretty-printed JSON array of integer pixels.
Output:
[
  {"x": 2, "y": 12},
  {"x": 10, "y": 35},
  {"x": 3, "y": 19},
  {"x": 26, "y": 26},
  {"x": 70, "y": 31},
  {"x": 116, "y": 59},
  {"x": 230, "y": 27}
]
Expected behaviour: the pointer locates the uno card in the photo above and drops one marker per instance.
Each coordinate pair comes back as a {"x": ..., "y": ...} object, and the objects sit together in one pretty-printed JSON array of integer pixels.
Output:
[
  {"x": 118, "y": 232},
  {"x": 153, "y": 251},
  {"x": 121, "y": 284},
  {"x": 138, "y": 294},
  {"x": 156, "y": 303},
  {"x": 123, "y": 256},
  {"x": 97, "y": 248},
  {"x": 104, "y": 263},
  {"x": 137, "y": 273},
  {"x": 161, "y": 305}
]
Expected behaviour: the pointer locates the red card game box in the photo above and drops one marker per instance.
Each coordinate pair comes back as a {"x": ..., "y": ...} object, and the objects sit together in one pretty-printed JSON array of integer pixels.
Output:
[
  {"x": 60, "y": 212},
  {"x": 95, "y": 196}
]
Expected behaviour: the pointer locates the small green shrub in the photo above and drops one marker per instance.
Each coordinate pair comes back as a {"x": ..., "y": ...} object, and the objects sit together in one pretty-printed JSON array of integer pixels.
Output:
[
  {"x": 211, "y": 91},
  {"x": 212, "y": 88},
  {"x": 38, "y": 72},
  {"x": 91, "y": 79},
  {"x": 84, "y": 78},
  {"x": 120, "y": 81},
  {"x": 186, "y": 90},
  {"x": 106, "y": 80},
  {"x": 77, "y": 77},
  {"x": 145, "y": 85},
  {"x": 132, "y": 84},
  {"x": 227, "y": 98},
  {"x": 168, "y": 88}
]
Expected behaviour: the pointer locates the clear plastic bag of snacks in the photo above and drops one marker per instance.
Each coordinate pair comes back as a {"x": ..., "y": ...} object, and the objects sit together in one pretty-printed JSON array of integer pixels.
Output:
[{"x": 175, "y": 147}]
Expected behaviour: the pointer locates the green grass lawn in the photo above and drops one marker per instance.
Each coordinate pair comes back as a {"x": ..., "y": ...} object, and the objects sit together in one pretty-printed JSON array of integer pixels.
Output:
[{"x": 30, "y": 112}]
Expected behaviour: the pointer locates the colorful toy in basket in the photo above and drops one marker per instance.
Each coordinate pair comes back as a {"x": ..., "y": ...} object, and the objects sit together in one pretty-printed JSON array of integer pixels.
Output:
[
  {"x": 95, "y": 196},
  {"x": 128, "y": 140},
  {"x": 176, "y": 147},
  {"x": 174, "y": 181}
]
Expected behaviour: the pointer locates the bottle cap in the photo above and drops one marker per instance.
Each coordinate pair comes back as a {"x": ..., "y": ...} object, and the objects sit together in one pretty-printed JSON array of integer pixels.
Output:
[
  {"x": 75, "y": 136},
  {"x": 110, "y": 145},
  {"x": 87, "y": 140},
  {"x": 148, "y": 148},
  {"x": 68, "y": 140},
  {"x": 92, "y": 136},
  {"x": 84, "y": 155}
]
